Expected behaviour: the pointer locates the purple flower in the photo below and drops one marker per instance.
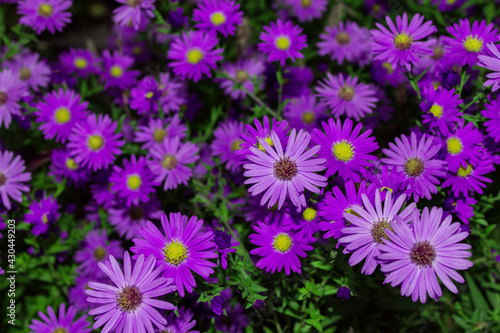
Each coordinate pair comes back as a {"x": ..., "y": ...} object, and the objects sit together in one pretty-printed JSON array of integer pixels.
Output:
[
  {"x": 116, "y": 73},
  {"x": 132, "y": 11},
  {"x": 386, "y": 180},
  {"x": 469, "y": 42},
  {"x": 384, "y": 73},
  {"x": 416, "y": 253},
  {"x": 344, "y": 149},
  {"x": 285, "y": 173},
  {"x": 278, "y": 248},
  {"x": 462, "y": 207},
  {"x": 95, "y": 249},
  {"x": 167, "y": 161},
  {"x": 183, "y": 248},
  {"x": 417, "y": 161},
  {"x": 345, "y": 96},
  {"x": 470, "y": 177},
  {"x": 368, "y": 226},
  {"x": 223, "y": 242},
  {"x": 42, "y": 214},
  {"x": 343, "y": 293},
  {"x": 461, "y": 146},
  {"x": 158, "y": 131},
  {"x": 193, "y": 54},
  {"x": 32, "y": 71},
  {"x": 77, "y": 296},
  {"x": 59, "y": 112},
  {"x": 401, "y": 45},
  {"x": 218, "y": 16},
  {"x": 304, "y": 112},
  {"x": 173, "y": 93},
  {"x": 12, "y": 177},
  {"x": 217, "y": 305},
  {"x": 176, "y": 18},
  {"x": 134, "y": 182},
  {"x": 64, "y": 167},
  {"x": 80, "y": 62},
  {"x": 282, "y": 40},
  {"x": 450, "y": 79},
  {"x": 247, "y": 72},
  {"x": 11, "y": 92},
  {"x": 182, "y": 323},
  {"x": 492, "y": 113},
  {"x": 145, "y": 96},
  {"x": 226, "y": 142},
  {"x": 130, "y": 302},
  {"x": 43, "y": 15},
  {"x": 63, "y": 322},
  {"x": 307, "y": 10},
  {"x": 491, "y": 61},
  {"x": 440, "y": 108},
  {"x": 93, "y": 143}
]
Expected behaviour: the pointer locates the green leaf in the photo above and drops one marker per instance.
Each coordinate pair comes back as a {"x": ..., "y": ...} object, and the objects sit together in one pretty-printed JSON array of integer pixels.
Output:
[{"x": 477, "y": 297}]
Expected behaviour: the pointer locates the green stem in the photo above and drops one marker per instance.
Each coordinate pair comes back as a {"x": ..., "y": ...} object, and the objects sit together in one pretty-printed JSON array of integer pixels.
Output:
[
  {"x": 463, "y": 79},
  {"x": 279, "y": 76}
]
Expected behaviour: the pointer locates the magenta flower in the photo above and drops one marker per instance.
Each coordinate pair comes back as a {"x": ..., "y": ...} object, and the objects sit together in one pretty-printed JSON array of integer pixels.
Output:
[
  {"x": 401, "y": 45},
  {"x": 307, "y": 10},
  {"x": 64, "y": 167},
  {"x": 492, "y": 113},
  {"x": 182, "y": 323},
  {"x": 145, "y": 96},
  {"x": 59, "y": 112},
  {"x": 32, "y": 71},
  {"x": 64, "y": 321},
  {"x": 282, "y": 40},
  {"x": 491, "y": 61},
  {"x": 183, "y": 247},
  {"x": 193, "y": 54},
  {"x": 283, "y": 174},
  {"x": 42, "y": 214},
  {"x": 304, "y": 112},
  {"x": 158, "y": 131},
  {"x": 247, "y": 72},
  {"x": 218, "y": 16},
  {"x": 80, "y": 62},
  {"x": 116, "y": 72},
  {"x": 43, "y": 15},
  {"x": 132, "y": 11},
  {"x": 224, "y": 246},
  {"x": 462, "y": 146},
  {"x": 173, "y": 93},
  {"x": 93, "y": 143},
  {"x": 440, "y": 108},
  {"x": 345, "y": 96},
  {"x": 11, "y": 91},
  {"x": 416, "y": 253},
  {"x": 470, "y": 178},
  {"x": 130, "y": 302},
  {"x": 226, "y": 142},
  {"x": 12, "y": 178}
]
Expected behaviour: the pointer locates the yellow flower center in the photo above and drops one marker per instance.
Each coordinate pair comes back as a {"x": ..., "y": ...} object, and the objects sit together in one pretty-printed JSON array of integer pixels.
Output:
[
  {"x": 24, "y": 73},
  {"x": 242, "y": 76},
  {"x": 159, "y": 135},
  {"x": 346, "y": 93},
  {"x": 342, "y": 38},
  {"x": 149, "y": 94},
  {"x": 134, "y": 182},
  {"x": 44, "y": 218},
  {"x": 45, "y": 10},
  {"x": 403, "y": 41},
  {"x": 388, "y": 67},
  {"x": 116, "y": 71},
  {"x": 282, "y": 242},
  {"x": 175, "y": 252},
  {"x": 473, "y": 44},
  {"x": 80, "y": 63},
  {"x": 436, "y": 110},
  {"x": 309, "y": 214},
  {"x": 450, "y": 2},
  {"x": 169, "y": 162},
  {"x": 235, "y": 145},
  {"x": 218, "y": 18},
  {"x": 343, "y": 151},
  {"x": 137, "y": 50},
  {"x": 60, "y": 330},
  {"x": 464, "y": 172},
  {"x": 70, "y": 164},
  {"x": 282, "y": 43},
  {"x": 454, "y": 145},
  {"x": 414, "y": 167},
  {"x": 269, "y": 142},
  {"x": 384, "y": 188},
  {"x": 436, "y": 84},
  {"x": 194, "y": 56},
  {"x": 100, "y": 253},
  {"x": 62, "y": 115},
  {"x": 306, "y": 3},
  {"x": 308, "y": 117},
  {"x": 95, "y": 142}
]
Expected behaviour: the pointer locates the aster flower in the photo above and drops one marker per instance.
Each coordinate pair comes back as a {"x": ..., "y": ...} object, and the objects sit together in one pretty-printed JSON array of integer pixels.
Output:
[
  {"x": 42, "y": 214},
  {"x": 130, "y": 302},
  {"x": 417, "y": 161},
  {"x": 282, "y": 40},
  {"x": 224, "y": 246},
  {"x": 247, "y": 72},
  {"x": 218, "y": 16},
  {"x": 32, "y": 71},
  {"x": 461, "y": 206},
  {"x": 440, "y": 108},
  {"x": 64, "y": 167},
  {"x": 176, "y": 18},
  {"x": 304, "y": 112},
  {"x": 344, "y": 149},
  {"x": 307, "y": 10},
  {"x": 127, "y": 221},
  {"x": 101, "y": 190},
  {"x": 183, "y": 248},
  {"x": 193, "y": 54},
  {"x": 347, "y": 41},
  {"x": 491, "y": 60},
  {"x": 470, "y": 177},
  {"x": 304, "y": 224},
  {"x": 44, "y": 15},
  {"x": 63, "y": 322},
  {"x": 11, "y": 92},
  {"x": 100, "y": 143},
  {"x": 116, "y": 72},
  {"x": 95, "y": 249},
  {"x": 387, "y": 180},
  {"x": 345, "y": 96},
  {"x": 284, "y": 173},
  {"x": 368, "y": 226},
  {"x": 145, "y": 95},
  {"x": 383, "y": 73},
  {"x": 134, "y": 182},
  {"x": 401, "y": 45},
  {"x": 173, "y": 93},
  {"x": 131, "y": 12},
  {"x": 80, "y": 62},
  {"x": 335, "y": 203},
  {"x": 414, "y": 255},
  {"x": 235, "y": 321},
  {"x": 439, "y": 60},
  {"x": 226, "y": 142},
  {"x": 168, "y": 160},
  {"x": 461, "y": 146},
  {"x": 182, "y": 323},
  {"x": 158, "y": 131},
  {"x": 469, "y": 42},
  {"x": 492, "y": 113},
  {"x": 12, "y": 177},
  {"x": 76, "y": 295},
  {"x": 59, "y": 112},
  {"x": 278, "y": 248}
]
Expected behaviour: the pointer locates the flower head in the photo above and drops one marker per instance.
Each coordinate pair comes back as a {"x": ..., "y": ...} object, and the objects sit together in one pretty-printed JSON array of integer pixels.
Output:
[
  {"x": 158, "y": 131},
  {"x": 63, "y": 322},
  {"x": 32, "y": 71},
  {"x": 131, "y": 12},
  {"x": 173, "y": 93},
  {"x": 282, "y": 40},
  {"x": 492, "y": 113},
  {"x": 64, "y": 167},
  {"x": 44, "y": 15},
  {"x": 218, "y": 16},
  {"x": 247, "y": 72},
  {"x": 11, "y": 92},
  {"x": 42, "y": 214},
  {"x": 304, "y": 112},
  {"x": 80, "y": 62},
  {"x": 440, "y": 108},
  {"x": 144, "y": 98},
  {"x": 12, "y": 178},
  {"x": 307, "y": 10},
  {"x": 461, "y": 146},
  {"x": 116, "y": 71},
  {"x": 227, "y": 141}
]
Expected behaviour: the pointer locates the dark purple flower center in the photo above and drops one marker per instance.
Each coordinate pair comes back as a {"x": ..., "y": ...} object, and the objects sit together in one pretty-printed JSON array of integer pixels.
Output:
[
  {"x": 285, "y": 169},
  {"x": 378, "y": 231},
  {"x": 129, "y": 299},
  {"x": 342, "y": 38},
  {"x": 133, "y": 3},
  {"x": 438, "y": 53},
  {"x": 3, "y": 179},
  {"x": 3, "y": 98},
  {"x": 100, "y": 253},
  {"x": 169, "y": 162},
  {"x": 423, "y": 254},
  {"x": 414, "y": 167},
  {"x": 136, "y": 213},
  {"x": 222, "y": 239}
]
